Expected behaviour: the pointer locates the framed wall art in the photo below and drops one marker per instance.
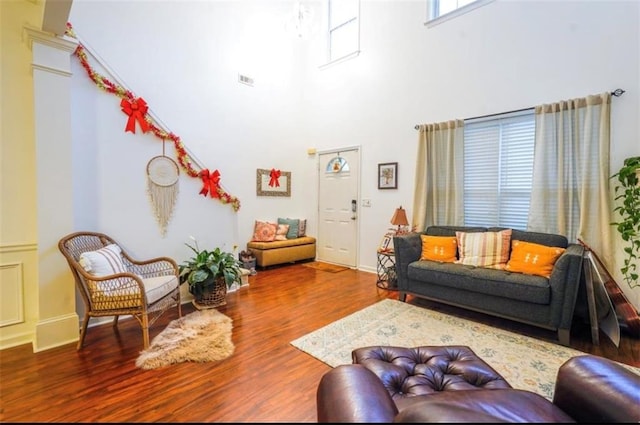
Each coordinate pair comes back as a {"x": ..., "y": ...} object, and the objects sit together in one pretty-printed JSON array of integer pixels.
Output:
[
  {"x": 388, "y": 175},
  {"x": 273, "y": 182}
]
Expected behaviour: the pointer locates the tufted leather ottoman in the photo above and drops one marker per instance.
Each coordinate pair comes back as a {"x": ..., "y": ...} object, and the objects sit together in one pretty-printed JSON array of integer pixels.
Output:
[{"x": 410, "y": 372}]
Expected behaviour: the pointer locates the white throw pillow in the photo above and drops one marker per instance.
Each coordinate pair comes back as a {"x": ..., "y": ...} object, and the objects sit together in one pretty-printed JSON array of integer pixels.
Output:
[{"x": 105, "y": 261}]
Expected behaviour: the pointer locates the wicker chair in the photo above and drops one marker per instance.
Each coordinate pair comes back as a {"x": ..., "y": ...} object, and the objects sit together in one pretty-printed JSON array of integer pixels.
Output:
[{"x": 143, "y": 289}]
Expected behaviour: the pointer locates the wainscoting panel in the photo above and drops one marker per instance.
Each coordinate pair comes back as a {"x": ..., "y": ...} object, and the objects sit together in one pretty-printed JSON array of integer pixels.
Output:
[
  {"x": 11, "y": 294},
  {"x": 18, "y": 293}
]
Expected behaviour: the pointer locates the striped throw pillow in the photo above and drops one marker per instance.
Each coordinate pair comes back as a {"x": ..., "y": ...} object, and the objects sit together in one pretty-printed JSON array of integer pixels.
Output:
[
  {"x": 484, "y": 249},
  {"x": 104, "y": 261}
]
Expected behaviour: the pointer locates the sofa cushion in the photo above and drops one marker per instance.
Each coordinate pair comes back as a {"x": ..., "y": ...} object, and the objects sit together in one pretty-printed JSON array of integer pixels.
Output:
[
  {"x": 281, "y": 232},
  {"x": 264, "y": 231},
  {"x": 501, "y": 283},
  {"x": 305, "y": 240},
  {"x": 439, "y": 248},
  {"x": 531, "y": 258},
  {"x": 294, "y": 226},
  {"x": 104, "y": 261},
  {"x": 485, "y": 249},
  {"x": 451, "y": 230},
  {"x": 302, "y": 227},
  {"x": 492, "y": 406}
]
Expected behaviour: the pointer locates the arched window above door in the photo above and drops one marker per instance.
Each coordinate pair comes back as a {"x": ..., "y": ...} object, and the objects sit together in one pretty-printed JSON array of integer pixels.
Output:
[{"x": 337, "y": 164}]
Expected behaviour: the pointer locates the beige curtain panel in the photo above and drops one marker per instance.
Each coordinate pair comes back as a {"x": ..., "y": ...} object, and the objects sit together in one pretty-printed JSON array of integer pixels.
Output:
[
  {"x": 438, "y": 196},
  {"x": 570, "y": 194}
]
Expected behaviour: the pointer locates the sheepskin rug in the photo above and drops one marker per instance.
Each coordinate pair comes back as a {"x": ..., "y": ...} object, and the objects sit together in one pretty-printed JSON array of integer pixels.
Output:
[{"x": 201, "y": 336}]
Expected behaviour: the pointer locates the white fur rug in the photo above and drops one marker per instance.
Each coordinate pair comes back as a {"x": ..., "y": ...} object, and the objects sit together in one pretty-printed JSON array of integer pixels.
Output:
[{"x": 201, "y": 336}]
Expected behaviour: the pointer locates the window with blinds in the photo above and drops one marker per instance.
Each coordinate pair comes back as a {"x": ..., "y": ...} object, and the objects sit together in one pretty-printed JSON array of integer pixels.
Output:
[{"x": 498, "y": 169}]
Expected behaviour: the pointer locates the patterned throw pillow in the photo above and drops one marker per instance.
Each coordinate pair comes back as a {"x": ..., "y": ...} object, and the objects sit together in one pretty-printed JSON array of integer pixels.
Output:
[
  {"x": 294, "y": 225},
  {"x": 281, "y": 232},
  {"x": 439, "y": 248},
  {"x": 532, "y": 258},
  {"x": 264, "y": 231},
  {"x": 302, "y": 227},
  {"x": 484, "y": 249},
  {"x": 104, "y": 261}
]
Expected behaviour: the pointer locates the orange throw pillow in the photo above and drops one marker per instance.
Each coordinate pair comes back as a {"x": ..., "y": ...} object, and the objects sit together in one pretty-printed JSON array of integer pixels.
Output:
[
  {"x": 439, "y": 248},
  {"x": 532, "y": 258}
]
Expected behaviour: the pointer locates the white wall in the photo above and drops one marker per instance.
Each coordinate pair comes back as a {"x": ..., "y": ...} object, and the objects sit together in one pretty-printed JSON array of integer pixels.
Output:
[
  {"x": 183, "y": 57},
  {"x": 503, "y": 56},
  {"x": 184, "y": 61}
]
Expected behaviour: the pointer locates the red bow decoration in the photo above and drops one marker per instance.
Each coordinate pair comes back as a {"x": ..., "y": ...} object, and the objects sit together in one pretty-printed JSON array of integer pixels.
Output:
[
  {"x": 275, "y": 175},
  {"x": 210, "y": 183},
  {"x": 136, "y": 111}
]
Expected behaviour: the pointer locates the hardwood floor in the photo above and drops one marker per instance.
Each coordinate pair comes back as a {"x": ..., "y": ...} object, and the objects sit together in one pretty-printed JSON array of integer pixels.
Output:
[{"x": 265, "y": 380}]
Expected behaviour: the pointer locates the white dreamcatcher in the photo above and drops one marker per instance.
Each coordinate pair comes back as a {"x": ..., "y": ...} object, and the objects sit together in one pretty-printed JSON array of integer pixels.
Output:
[{"x": 162, "y": 185}]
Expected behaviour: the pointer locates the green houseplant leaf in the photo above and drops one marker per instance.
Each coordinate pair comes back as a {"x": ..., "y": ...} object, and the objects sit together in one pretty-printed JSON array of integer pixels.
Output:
[
  {"x": 202, "y": 270},
  {"x": 627, "y": 198}
]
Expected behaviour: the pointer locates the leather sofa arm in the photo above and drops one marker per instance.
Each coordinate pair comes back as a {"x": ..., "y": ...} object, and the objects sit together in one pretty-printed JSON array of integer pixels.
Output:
[
  {"x": 594, "y": 389},
  {"x": 352, "y": 393}
]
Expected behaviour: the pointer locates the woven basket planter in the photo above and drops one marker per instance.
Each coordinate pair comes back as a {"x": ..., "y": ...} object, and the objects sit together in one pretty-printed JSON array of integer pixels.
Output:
[{"x": 214, "y": 295}]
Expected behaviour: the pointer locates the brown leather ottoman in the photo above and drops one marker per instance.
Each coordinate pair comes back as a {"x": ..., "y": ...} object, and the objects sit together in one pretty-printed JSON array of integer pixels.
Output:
[{"x": 409, "y": 372}]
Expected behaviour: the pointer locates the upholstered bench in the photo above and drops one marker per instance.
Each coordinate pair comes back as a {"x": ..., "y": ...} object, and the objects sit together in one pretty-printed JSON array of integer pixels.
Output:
[
  {"x": 410, "y": 372},
  {"x": 281, "y": 252}
]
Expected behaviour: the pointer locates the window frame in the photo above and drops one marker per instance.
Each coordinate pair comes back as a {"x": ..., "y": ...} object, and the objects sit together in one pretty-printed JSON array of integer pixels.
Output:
[
  {"x": 432, "y": 21},
  {"x": 353, "y": 20},
  {"x": 503, "y": 193}
]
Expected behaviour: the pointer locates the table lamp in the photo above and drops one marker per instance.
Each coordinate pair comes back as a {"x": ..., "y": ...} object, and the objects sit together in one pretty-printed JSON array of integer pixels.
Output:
[{"x": 399, "y": 219}]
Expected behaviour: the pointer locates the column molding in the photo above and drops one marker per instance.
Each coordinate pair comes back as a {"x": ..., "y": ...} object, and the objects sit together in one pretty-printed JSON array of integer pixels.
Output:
[{"x": 57, "y": 320}]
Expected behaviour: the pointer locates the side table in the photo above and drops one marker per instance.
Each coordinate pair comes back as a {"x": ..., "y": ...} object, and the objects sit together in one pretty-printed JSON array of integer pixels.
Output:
[{"x": 386, "y": 268}]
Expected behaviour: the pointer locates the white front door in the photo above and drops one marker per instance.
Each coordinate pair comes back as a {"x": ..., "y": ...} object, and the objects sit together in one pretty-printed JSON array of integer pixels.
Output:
[{"x": 338, "y": 206}]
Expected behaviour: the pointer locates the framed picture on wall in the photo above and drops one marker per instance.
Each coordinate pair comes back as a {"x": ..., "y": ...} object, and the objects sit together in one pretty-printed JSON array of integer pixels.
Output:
[
  {"x": 388, "y": 175},
  {"x": 273, "y": 182}
]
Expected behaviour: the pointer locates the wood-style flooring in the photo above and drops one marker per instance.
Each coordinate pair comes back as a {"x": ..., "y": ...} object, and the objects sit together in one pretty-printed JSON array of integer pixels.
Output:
[{"x": 265, "y": 380}]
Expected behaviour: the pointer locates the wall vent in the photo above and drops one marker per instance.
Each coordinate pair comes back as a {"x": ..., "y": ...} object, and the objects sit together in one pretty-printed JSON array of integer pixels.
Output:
[{"x": 244, "y": 79}]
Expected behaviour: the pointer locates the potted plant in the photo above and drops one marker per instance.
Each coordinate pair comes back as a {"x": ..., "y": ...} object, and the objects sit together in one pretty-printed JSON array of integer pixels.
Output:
[
  {"x": 209, "y": 275},
  {"x": 627, "y": 192}
]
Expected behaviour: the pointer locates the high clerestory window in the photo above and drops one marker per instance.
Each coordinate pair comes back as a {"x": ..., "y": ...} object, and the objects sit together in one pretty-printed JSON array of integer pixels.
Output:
[
  {"x": 343, "y": 30},
  {"x": 442, "y": 10}
]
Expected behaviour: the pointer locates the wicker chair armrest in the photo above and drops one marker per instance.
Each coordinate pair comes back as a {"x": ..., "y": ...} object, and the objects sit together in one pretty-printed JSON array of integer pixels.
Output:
[
  {"x": 159, "y": 266},
  {"x": 120, "y": 279}
]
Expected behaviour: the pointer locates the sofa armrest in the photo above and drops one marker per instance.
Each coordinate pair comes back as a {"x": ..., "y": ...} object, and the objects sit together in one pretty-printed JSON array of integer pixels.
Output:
[
  {"x": 594, "y": 389},
  {"x": 565, "y": 282},
  {"x": 353, "y": 393},
  {"x": 407, "y": 249}
]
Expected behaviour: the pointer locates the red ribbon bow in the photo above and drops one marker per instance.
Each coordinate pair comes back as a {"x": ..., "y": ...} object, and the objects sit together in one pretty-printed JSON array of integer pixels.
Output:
[
  {"x": 210, "y": 183},
  {"x": 275, "y": 175},
  {"x": 136, "y": 111}
]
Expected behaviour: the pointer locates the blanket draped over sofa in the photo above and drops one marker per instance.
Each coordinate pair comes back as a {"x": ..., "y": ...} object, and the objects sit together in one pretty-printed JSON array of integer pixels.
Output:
[{"x": 544, "y": 302}]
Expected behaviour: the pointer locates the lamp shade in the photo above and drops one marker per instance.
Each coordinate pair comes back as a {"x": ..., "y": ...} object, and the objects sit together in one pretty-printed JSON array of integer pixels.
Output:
[{"x": 400, "y": 217}]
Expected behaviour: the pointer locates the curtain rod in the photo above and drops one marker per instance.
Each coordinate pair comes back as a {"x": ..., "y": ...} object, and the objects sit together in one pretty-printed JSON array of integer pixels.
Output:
[{"x": 616, "y": 93}]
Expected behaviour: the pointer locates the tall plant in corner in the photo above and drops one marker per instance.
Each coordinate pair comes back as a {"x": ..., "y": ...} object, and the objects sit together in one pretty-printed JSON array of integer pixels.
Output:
[{"x": 627, "y": 197}]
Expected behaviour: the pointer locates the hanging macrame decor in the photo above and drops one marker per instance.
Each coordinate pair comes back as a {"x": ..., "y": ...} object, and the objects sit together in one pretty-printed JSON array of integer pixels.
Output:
[{"x": 162, "y": 185}]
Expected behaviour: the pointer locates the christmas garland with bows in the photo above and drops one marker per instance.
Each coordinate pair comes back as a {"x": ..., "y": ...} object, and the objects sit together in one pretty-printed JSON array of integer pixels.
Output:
[{"x": 137, "y": 110}]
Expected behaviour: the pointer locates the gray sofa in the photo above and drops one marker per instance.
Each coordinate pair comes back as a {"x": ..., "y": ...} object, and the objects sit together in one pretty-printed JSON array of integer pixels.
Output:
[{"x": 546, "y": 303}]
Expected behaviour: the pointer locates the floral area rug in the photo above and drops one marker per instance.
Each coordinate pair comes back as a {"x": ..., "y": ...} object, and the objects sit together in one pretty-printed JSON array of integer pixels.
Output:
[
  {"x": 526, "y": 363},
  {"x": 201, "y": 336}
]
